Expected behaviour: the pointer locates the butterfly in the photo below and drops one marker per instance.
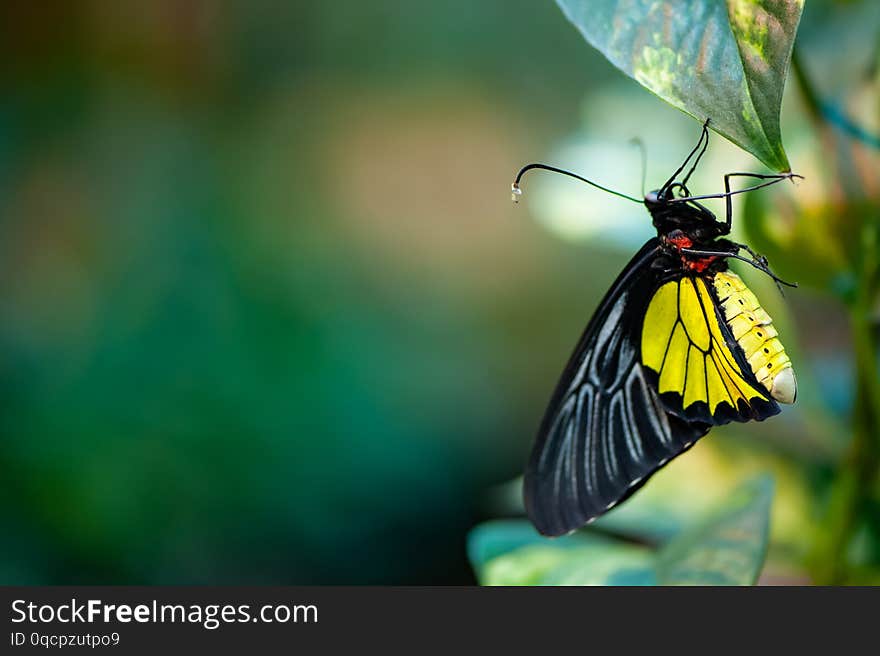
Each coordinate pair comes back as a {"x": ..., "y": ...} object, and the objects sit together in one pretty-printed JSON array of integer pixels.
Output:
[{"x": 679, "y": 344}]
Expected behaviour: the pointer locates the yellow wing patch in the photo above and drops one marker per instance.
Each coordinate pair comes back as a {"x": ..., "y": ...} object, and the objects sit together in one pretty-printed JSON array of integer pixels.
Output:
[{"x": 682, "y": 342}]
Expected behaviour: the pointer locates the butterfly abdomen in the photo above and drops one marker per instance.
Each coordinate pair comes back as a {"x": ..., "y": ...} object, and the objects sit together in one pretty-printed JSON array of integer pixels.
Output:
[{"x": 753, "y": 330}]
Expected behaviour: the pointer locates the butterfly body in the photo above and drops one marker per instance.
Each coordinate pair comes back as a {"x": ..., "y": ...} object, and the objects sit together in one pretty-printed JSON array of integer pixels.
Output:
[{"x": 678, "y": 344}]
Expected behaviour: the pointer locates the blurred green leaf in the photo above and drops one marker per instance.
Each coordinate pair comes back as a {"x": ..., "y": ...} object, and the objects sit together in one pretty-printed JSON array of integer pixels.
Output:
[
  {"x": 498, "y": 537},
  {"x": 526, "y": 566},
  {"x": 727, "y": 546},
  {"x": 602, "y": 563},
  {"x": 493, "y": 539},
  {"x": 724, "y": 61},
  {"x": 813, "y": 245},
  {"x": 619, "y": 564}
]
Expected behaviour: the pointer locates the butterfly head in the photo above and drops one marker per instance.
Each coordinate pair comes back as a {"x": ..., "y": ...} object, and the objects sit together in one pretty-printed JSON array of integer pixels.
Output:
[{"x": 670, "y": 212}]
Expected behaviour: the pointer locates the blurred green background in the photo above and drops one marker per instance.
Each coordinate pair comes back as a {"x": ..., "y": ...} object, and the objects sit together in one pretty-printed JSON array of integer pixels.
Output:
[{"x": 267, "y": 314}]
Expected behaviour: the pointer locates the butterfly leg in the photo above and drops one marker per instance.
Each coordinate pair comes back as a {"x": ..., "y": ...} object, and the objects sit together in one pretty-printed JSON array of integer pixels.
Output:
[
  {"x": 700, "y": 145},
  {"x": 704, "y": 135},
  {"x": 755, "y": 256},
  {"x": 758, "y": 261},
  {"x": 771, "y": 179}
]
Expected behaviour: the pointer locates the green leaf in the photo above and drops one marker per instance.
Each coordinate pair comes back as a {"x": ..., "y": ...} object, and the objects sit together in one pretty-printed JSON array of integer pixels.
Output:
[
  {"x": 619, "y": 564},
  {"x": 602, "y": 563},
  {"x": 727, "y": 547},
  {"x": 498, "y": 537},
  {"x": 721, "y": 60},
  {"x": 493, "y": 539},
  {"x": 525, "y": 566}
]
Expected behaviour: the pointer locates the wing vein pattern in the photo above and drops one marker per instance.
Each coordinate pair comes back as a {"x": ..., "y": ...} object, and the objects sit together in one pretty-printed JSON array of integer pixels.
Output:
[
  {"x": 606, "y": 429},
  {"x": 655, "y": 368}
]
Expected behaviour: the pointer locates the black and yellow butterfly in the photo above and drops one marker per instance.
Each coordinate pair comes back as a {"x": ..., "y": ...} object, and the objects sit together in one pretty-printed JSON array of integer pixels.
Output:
[{"x": 679, "y": 344}]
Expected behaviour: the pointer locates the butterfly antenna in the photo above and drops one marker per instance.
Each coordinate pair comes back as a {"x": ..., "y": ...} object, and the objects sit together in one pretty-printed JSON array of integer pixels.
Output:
[{"x": 516, "y": 191}]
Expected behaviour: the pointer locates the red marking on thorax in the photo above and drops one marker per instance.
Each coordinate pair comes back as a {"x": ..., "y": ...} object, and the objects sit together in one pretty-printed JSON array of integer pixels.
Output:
[
  {"x": 680, "y": 241},
  {"x": 698, "y": 265},
  {"x": 694, "y": 264}
]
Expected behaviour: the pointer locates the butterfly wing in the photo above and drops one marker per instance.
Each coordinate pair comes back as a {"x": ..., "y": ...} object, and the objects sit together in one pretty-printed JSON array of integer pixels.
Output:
[
  {"x": 693, "y": 360},
  {"x": 606, "y": 429},
  {"x": 657, "y": 366}
]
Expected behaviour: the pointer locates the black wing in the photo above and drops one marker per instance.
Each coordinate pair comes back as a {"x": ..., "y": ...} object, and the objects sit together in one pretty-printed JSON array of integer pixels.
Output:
[{"x": 605, "y": 431}]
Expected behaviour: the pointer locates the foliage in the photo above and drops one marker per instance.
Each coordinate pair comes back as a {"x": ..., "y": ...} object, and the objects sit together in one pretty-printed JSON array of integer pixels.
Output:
[
  {"x": 725, "y": 546},
  {"x": 725, "y": 61}
]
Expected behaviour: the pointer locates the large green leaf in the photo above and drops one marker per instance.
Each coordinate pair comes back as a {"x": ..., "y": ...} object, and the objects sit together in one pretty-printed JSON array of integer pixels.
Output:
[
  {"x": 726, "y": 546},
  {"x": 712, "y": 59}
]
